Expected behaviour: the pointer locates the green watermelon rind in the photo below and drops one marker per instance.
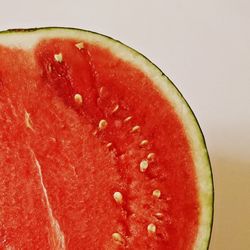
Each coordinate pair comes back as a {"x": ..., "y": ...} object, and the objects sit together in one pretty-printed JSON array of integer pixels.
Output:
[{"x": 27, "y": 38}]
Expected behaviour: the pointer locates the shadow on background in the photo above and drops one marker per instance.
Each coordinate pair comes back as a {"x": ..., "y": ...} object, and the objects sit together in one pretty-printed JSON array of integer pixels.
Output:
[{"x": 231, "y": 229}]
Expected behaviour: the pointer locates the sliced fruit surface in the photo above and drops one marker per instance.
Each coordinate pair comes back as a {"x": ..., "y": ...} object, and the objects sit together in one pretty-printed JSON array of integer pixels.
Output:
[{"x": 98, "y": 148}]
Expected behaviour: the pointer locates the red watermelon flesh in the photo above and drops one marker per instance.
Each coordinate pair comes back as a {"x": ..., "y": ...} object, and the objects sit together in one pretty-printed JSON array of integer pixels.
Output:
[{"x": 78, "y": 125}]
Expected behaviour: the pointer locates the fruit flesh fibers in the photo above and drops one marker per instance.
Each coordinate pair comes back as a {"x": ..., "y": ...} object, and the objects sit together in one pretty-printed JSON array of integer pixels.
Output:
[{"x": 60, "y": 167}]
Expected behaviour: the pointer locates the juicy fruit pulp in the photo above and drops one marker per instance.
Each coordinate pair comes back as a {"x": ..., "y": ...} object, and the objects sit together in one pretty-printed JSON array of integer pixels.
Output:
[{"x": 92, "y": 155}]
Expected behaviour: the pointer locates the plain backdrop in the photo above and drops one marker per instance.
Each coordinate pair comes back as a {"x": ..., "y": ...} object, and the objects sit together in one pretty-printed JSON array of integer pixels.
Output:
[{"x": 204, "y": 47}]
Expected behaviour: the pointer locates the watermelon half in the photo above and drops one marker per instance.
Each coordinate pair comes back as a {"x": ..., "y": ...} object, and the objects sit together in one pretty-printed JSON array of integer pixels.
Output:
[{"x": 98, "y": 149}]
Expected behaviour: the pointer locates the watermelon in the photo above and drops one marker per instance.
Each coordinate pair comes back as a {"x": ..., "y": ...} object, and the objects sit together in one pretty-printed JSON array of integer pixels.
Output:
[{"x": 98, "y": 148}]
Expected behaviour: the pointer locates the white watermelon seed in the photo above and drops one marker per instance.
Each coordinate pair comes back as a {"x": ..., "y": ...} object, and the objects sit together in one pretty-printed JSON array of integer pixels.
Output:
[
  {"x": 101, "y": 91},
  {"x": 109, "y": 145},
  {"x": 157, "y": 193},
  {"x": 143, "y": 165},
  {"x": 118, "y": 197},
  {"x": 135, "y": 129},
  {"x": 159, "y": 215},
  {"x": 151, "y": 156},
  {"x": 128, "y": 119},
  {"x": 78, "y": 99},
  {"x": 49, "y": 68},
  {"x": 103, "y": 124},
  {"x": 151, "y": 228},
  {"x": 27, "y": 120},
  {"x": 143, "y": 143},
  {"x": 115, "y": 108},
  {"x": 117, "y": 237},
  {"x": 58, "y": 57},
  {"x": 79, "y": 45}
]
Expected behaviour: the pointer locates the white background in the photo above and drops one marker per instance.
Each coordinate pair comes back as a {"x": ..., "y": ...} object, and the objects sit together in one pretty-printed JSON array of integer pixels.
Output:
[{"x": 204, "y": 47}]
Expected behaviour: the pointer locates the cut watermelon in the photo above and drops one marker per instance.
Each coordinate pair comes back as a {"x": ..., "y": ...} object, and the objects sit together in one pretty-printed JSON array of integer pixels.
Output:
[{"x": 98, "y": 148}]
